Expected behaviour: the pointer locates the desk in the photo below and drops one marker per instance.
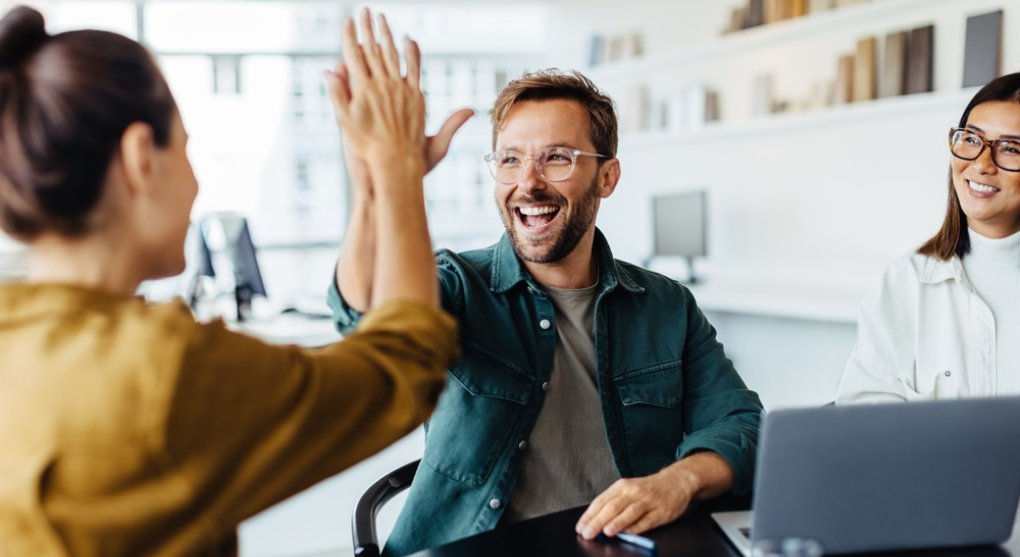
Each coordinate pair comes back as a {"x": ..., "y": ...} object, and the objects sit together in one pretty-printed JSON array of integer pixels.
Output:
[
  {"x": 290, "y": 328},
  {"x": 695, "y": 534}
]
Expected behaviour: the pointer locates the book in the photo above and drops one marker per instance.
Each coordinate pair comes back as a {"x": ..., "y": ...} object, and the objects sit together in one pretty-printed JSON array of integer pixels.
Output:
[
  {"x": 864, "y": 70},
  {"x": 763, "y": 95},
  {"x": 635, "y": 110},
  {"x": 755, "y": 13},
  {"x": 919, "y": 59},
  {"x": 982, "y": 59},
  {"x": 772, "y": 10},
  {"x": 893, "y": 80},
  {"x": 842, "y": 91},
  {"x": 617, "y": 43},
  {"x": 596, "y": 48},
  {"x": 712, "y": 112},
  {"x": 633, "y": 45},
  {"x": 815, "y": 6},
  {"x": 798, "y": 8}
]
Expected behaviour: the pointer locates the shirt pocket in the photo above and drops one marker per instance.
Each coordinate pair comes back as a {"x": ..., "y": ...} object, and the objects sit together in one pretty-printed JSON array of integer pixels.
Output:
[
  {"x": 653, "y": 424},
  {"x": 478, "y": 412}
]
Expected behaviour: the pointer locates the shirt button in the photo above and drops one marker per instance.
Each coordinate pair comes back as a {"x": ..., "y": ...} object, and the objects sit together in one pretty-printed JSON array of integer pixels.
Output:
[
  {"x": 545, "y": 324},
  {"x": 522, "y": 445},
  {"x": 545, "y": 386},
  {"x": 494, "y": 504}
]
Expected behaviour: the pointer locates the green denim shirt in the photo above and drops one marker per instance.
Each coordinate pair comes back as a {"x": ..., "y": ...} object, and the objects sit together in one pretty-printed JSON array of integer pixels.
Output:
[{"x": 666, "y": 386}]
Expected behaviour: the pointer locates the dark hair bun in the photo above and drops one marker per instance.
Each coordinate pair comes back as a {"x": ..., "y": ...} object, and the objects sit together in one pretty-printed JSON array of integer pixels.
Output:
[{"x": 22, "y": 31}]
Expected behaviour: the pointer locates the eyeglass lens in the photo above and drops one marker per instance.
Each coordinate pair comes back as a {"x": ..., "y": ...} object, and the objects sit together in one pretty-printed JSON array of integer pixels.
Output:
[
  {"x": 967, "y": 145},
  {"x": 554, "y": 163}
]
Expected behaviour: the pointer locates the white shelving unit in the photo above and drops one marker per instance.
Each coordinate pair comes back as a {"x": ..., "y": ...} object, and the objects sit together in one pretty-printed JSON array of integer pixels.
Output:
[
  {"x": 811, "y": 198},
  {"x": 807, "y": 208}
]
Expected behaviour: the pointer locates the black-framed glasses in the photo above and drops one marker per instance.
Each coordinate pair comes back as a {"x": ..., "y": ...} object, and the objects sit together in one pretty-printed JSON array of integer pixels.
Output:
[
  {"x": 552, "y": 163},
  {"x": 968, "y": 145}
]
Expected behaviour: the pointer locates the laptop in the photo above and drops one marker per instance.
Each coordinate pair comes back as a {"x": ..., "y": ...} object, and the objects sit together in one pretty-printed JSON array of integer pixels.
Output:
[{"x": 885, "y": 477}]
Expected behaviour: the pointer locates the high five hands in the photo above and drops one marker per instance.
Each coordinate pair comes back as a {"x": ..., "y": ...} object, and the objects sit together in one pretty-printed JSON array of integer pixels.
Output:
[{"x": 368, "y": 82}]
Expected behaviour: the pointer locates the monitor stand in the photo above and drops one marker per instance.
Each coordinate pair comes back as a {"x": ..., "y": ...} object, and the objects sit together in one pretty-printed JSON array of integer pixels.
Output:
[
  {"x": 691, "y": 277},
  {"x": 243, "y": 294}
]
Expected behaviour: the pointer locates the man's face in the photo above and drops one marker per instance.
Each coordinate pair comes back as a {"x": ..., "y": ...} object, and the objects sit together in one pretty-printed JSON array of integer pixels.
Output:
[{"x": 544, "y": 219}]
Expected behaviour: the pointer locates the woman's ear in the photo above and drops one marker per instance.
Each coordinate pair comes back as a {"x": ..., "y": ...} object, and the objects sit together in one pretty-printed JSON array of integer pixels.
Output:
[{"x": 137, "y": 151}]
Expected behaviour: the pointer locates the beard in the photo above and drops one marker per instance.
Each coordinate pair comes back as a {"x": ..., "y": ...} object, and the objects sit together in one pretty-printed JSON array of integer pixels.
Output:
[{"x": 559, "y": 242}]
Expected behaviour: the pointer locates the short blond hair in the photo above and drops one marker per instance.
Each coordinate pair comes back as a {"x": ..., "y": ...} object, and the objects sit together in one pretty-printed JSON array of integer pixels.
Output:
[{"x": 552, "y": 84}]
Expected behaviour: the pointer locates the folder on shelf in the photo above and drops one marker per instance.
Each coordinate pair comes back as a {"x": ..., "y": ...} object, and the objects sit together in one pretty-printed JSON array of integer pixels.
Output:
[
  {"x": 864, "y": 70},
  {"x": 982, "y": 57},
  {"x": 893, "y": 80},
  {"x": 919, "y": 59}
]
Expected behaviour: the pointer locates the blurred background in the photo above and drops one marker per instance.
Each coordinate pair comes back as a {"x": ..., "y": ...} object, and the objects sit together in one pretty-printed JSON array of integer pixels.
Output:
[{"x": 807, "y": 138}]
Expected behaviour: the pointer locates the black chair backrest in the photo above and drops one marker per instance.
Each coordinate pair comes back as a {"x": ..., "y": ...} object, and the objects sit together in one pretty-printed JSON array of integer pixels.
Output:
[{"x": 366, "y": 540}]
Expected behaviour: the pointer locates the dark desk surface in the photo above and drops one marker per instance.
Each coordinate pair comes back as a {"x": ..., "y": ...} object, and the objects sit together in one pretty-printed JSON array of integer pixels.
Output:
[{"x": 694, "y": 534}]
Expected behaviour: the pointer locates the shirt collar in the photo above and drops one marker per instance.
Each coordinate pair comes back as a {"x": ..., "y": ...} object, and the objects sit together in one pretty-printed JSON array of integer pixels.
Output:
[
  {"x": 936, "y": 270},
  {"x": 508, "y": 270}
]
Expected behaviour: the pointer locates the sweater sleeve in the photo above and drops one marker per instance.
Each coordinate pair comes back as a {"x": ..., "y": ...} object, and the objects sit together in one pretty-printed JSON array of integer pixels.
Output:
[{"x": 251, "y": 423}]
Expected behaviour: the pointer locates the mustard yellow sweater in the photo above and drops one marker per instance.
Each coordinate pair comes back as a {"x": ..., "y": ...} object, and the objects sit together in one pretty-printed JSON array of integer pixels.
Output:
[{"x": 127, "y": 428}]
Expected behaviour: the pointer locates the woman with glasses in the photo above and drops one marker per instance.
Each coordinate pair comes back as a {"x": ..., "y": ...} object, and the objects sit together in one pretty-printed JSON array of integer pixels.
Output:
[
  {"x": 944, "y": 322},
  {"x": 127, "y": 428}
]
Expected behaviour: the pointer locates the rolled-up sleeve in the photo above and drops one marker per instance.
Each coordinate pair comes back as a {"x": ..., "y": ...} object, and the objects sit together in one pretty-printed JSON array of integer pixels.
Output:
[{"x": 721, "y": 413}]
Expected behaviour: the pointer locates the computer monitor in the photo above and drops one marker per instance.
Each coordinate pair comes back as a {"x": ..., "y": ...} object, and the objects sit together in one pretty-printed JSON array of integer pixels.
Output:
[
  {"x": 679, "y": 226},
  {"x": 229, "y": 234}
]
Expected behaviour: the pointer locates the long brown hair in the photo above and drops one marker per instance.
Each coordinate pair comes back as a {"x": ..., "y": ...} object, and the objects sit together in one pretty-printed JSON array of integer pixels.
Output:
[
  {"x": 65, "y": 102},
  {"x": 953, "y": 238}
]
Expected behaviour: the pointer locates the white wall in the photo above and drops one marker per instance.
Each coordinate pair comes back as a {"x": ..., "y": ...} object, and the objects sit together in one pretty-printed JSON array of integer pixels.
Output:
[{"x": 819, "y": 200}]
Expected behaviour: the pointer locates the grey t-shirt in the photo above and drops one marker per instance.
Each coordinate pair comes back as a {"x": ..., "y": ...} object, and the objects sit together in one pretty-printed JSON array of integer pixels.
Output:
[{"x": 568, "y": 461}]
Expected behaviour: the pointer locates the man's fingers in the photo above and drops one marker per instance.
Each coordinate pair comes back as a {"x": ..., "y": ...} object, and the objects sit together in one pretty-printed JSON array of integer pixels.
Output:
[
  {"x": 625, "y": 520},
  {"x": 645, "y": 523},
  {"x": 603, "y": 509},
  {"x": 339, "y": 91}
]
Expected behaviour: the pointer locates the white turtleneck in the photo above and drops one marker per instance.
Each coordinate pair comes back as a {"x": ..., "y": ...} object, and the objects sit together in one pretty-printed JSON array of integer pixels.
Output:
[{"x": 993, "y": 268}]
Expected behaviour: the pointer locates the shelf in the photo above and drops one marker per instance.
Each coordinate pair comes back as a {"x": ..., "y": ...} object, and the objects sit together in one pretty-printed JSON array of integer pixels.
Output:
[
  {"x": 738, "y": 42},
  {"x": 795, "y": 121}
]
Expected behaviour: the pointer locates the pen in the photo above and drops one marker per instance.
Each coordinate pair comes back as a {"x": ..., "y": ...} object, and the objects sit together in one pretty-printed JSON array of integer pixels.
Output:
[{"x": 637, "y": 540}]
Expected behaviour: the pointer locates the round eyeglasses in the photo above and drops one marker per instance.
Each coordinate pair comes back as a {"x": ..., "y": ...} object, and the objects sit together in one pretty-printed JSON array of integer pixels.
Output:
[
  {"x": 968, "y": 145},
  {"x": 552, "y": 163}
]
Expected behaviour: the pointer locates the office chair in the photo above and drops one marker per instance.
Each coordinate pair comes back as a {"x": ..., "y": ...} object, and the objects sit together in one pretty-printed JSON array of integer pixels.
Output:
[{"x": 366, "y": 540}]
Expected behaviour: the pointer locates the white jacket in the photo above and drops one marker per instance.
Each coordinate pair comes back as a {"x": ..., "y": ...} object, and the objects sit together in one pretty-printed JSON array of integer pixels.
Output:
[{"x": 922, "y": 333}]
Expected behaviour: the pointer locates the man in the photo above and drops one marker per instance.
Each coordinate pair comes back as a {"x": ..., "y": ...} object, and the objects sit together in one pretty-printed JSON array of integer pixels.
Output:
[{"x": 583, "y": 379}]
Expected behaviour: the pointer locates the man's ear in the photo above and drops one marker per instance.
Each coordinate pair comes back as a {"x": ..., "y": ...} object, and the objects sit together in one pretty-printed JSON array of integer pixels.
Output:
[
  {"x": 137, "y": 151},
  {"x": 610, "y": 176}
]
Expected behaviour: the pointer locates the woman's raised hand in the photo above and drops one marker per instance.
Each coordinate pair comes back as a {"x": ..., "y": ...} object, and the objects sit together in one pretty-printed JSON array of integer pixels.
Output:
[{"x": 380, "y": 109}]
